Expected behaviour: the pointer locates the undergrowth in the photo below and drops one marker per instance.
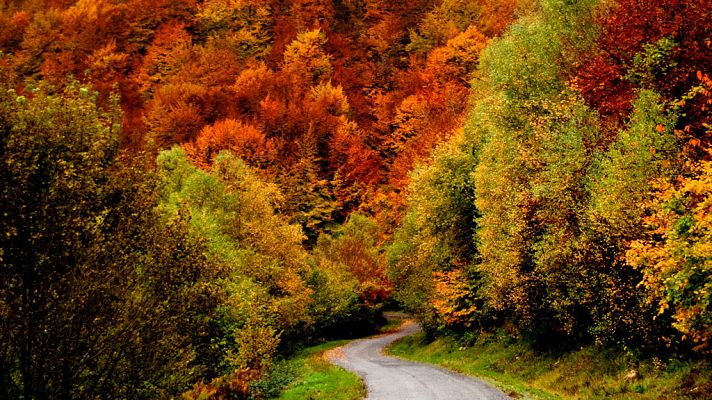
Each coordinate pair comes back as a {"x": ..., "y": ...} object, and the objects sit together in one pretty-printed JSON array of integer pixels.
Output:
[{"x": 590, "y": 372}]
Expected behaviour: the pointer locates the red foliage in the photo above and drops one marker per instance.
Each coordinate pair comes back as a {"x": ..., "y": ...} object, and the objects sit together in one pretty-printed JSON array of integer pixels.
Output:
[
  {"x": 627, "y": 28},
  {"x": 335, "y": 83},
  {"x": 12, "y": 28}
]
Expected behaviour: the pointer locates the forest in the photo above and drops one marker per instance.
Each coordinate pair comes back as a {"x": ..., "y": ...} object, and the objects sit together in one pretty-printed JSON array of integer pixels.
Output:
[{"x": 192, "y": 190}]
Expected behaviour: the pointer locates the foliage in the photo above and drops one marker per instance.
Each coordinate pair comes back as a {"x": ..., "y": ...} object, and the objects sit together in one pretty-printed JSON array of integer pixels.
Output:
[
  {"x": 536, "y": 137},
  {"x": 350, "y": 278},
  {"x": 535, "y": 165},
  {"x": 530, "y": 228},
  {"x": 660, "y": 46},
  {"x": 328, "y": 84},
  {"x": 235, "y": 212},
  {"x": 434, "y": 239},
  {"x": 619, "y": 182},
  {"x": 675, "y": 254},
  {"x": 92, "y": 282},
  {"x": 642, "y": 152}
]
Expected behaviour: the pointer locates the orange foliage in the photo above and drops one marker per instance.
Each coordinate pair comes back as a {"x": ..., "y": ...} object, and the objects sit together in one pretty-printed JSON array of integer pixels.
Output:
[
  {"x": 245, "y": 141},
  {"x": 169, "y": 50},
  {"x": 367, "y": 268},
  {"x": 452, "y": 298},
  {"x": 12, "y": 28},
  {"x": 177, "y": 113},
  {"x": 263, "y": 78}
]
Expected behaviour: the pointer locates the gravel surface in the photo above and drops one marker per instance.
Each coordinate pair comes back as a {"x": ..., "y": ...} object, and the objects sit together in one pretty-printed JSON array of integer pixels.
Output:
[{"x": 390, "y": 378}]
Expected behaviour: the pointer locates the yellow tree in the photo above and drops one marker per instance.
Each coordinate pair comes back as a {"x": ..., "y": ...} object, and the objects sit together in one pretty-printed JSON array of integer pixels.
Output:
[{"x": 676, "y": 254}]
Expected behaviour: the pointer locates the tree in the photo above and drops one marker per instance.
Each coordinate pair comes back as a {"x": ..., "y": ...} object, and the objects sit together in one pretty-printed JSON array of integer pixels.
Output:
[
  {"x": 52, "y": 183},
  {"x": 674, "y": 255},
  {"x": 350, "y": 278},
  {"x": 305, "y": 61},
  {"x": 99, "y": 298},
  {"x": 660, "y": 46},
  {"x": 264, "y": 298},
  {"x": 431, "y": 256},
  {"x": 243, "y": 140},
  {"x": 537, "y": 138}
]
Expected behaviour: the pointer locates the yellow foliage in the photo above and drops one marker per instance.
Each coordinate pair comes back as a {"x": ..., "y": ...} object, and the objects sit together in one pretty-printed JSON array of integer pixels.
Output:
[
  {"x": 458, "y": 58},
  {"x": 451, "y": 298},
  {"x": 306, "y": 55},
  {"x": 676, "y": 257},
  {"x": 330, "y": 98}
]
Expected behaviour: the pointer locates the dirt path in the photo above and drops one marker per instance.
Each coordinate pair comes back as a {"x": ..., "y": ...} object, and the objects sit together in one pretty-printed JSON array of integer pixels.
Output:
[{"x": 390, "y": 378}]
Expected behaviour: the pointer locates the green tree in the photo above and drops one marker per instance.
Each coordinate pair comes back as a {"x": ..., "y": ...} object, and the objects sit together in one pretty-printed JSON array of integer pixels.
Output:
[
  {"x": 264, "y": 298},
  {"x": 99, "y": 298},
  {"x": 437, "y": 231},
  {"x": 619, "y": 184},
  {"x": 537, "y": 138}
]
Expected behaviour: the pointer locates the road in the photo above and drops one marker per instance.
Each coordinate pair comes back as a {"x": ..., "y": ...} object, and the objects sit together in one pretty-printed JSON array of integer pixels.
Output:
[{"x": 390, "y": 378}]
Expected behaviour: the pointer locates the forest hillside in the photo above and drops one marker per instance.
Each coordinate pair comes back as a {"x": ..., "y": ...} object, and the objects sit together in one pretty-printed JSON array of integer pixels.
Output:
[{"x": 192, "y": 190}]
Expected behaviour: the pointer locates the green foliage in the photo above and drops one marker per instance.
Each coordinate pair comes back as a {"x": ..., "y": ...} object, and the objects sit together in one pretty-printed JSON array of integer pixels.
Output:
[
  {"x": 537, "y": 137},
  {"x": 271, "y": 297},
  {"x": 260, "y": 254},
  {"x": 92, "y": 282},
  {"x": 532, "y": 58},
  {"x": 282, "y": 374},
  {"x": 618, "y": 184},
  {"x": 530, "y": 193},
  {"x": 621, "y": 178},
  {"x": 652, "y": 63},
  {"x": 436, "y": 233},
  {"x": 523, "y": 64}
]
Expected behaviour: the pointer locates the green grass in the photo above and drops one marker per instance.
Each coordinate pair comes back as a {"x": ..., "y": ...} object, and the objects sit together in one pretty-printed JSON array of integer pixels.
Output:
[
  {"x": 589, "y": 373},
  {"x": 394, "y": 319},
  {"x": 317, "y": 379}
]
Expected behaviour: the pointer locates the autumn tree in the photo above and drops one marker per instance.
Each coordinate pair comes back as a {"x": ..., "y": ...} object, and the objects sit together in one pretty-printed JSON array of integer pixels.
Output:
[
  {"x": 658, "y": 46},
  {"x": 351, "y": 266},
  {"x": 431, "y": 257},
  {"x": 674, "y": 256},
  {"x": 243, "y": 140},
  {"x": 98, "y": 297}
]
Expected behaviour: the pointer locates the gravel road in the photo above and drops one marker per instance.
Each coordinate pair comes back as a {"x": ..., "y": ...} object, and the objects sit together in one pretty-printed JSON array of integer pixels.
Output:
[{"x": 390, "y": 378}]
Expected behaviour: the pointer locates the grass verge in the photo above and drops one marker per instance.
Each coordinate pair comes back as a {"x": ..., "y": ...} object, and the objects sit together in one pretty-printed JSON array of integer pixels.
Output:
[
  {"x": 317, "y": 379},
  {"x": 589, "y": 373}
]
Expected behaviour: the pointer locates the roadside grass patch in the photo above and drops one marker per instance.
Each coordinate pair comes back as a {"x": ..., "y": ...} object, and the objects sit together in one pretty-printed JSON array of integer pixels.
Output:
[
  {"x": 591, "y": 372},
  {"x": 318, "y": 379},
  {"x": 394, "y": 320}
]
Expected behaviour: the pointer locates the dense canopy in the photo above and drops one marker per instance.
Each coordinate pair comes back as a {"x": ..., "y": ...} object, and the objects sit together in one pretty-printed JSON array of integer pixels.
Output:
[{"x": 190, "y": 190}]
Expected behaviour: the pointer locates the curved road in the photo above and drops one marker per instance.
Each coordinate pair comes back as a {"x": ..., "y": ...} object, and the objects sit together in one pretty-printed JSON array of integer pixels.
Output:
[{"x": 390, "y": 378}]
